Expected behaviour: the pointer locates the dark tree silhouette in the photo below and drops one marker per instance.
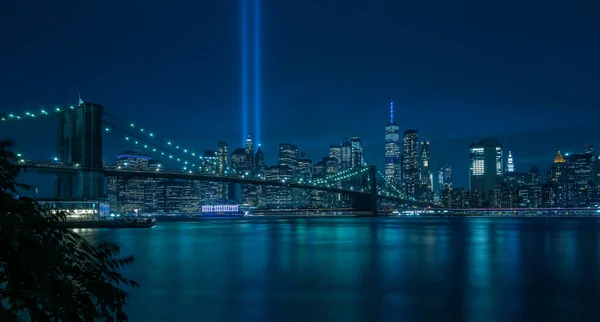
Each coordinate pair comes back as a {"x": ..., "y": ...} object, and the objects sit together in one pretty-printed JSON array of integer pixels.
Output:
[{"x": 50, "y": 273}]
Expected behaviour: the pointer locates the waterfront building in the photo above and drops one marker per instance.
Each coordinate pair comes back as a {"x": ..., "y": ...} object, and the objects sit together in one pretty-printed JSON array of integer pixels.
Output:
[{"x": 127, "y": 195}]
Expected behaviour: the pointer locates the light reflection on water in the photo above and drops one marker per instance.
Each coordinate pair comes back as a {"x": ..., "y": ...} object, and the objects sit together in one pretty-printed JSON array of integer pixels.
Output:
[{"x": 362, "y": 269}]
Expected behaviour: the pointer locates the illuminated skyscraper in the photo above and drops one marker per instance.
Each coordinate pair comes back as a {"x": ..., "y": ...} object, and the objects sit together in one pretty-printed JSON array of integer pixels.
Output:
[
  {"x": 393, "y": 167},
  {"x": 223, "y": 156},
  {"x": 278, "y": 197},
  {"x": 426, "y": 188},
  {"x": 444, "y": 183},
  {"x": 335, "y": 151},
  {"x": 486, "y": 166},
  {"x": 356, "y": 152},
  {"x": 510, "y": 165},
  {"x": 249, "y": 155},
  {"x": 239, "y": 161},
  {"x": 305, "y": 169},
  {"x": 304, "y": 173},
  {"x": 346, "y": 156},
  {"x": 445, "y": 177},
  {"x": 222, "y": 165},
  {"x": 288, "y": 157},
  {"x": 209, "y": 191},
  {"x": 128, "y": 194},
  {"x": 410, "y": 163},
  {"x": 589, "y": 148},
  {"x": 259, "y": 162}
]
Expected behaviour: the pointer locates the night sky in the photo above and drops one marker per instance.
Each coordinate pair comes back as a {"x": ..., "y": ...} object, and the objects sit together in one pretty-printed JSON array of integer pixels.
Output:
[{"x": 525, "y": 72}]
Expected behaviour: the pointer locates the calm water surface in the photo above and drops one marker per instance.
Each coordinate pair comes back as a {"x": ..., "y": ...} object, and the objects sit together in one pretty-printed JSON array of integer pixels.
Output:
[{"x": 361, "y": 269}]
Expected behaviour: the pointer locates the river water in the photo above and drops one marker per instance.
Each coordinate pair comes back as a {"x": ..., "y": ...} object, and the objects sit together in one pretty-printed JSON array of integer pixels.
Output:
[{"x": 364, "y": 269}]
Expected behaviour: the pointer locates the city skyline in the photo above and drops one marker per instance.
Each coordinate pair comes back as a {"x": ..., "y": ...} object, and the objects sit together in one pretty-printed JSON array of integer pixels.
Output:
[{"x": 190, "y": 89}]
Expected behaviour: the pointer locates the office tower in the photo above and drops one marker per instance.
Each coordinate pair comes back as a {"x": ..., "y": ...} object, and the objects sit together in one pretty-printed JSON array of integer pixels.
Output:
[
  {"x": 222, "y": 165},
  {"x": 209, "y": 191},
  {"x": 317, "y": 198},
  {"x": 249, "y": 155},
  {"x": 393, "y": 167},
  {"x": 278, "y": 197},
  {"x": 346, "y": 156},
  {"x": 178, "y": 196},
  {"x": 580, "y": 172},
  {"x": 410, "y": 163},
  {"x": 304, "y": 174},
  {"x": 127, "y": 195},
  {"x": 239, "y": 162},
  {"x": 259, "y": 162},
  {"x": 445, "y": 183},
  {"x": 356, "y": 152},
  {"x": 426, "y": 187},
  {"x": 445, "y": 177},
  {"x": 588, "y": 148},
  {"x": 153, "y": 187},
  {"x": 335, "y": 151},
  {"x": 556, "y": 171},
  {"x": 305, "y": 169},
  {"x": 485, "y": 166},
  {"x": 288, "y": 157},
  {"x": 510, "y": 165},
  {"x": 223, "y": 157}
]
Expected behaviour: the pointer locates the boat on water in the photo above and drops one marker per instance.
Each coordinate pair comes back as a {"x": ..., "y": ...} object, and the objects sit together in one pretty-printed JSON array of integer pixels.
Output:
[{"x": 120, "y": 222}]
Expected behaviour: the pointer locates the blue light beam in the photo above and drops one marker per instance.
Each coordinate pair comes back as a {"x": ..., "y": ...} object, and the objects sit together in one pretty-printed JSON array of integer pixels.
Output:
[
  {"x": 257, "y": 97},
  {"x": 244, "y": 72}
]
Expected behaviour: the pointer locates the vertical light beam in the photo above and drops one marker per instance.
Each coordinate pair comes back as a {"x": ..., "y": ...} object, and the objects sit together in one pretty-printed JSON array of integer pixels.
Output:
[
  {"x": 244, "y": 66},
  {"x": 257, "y": 97}
]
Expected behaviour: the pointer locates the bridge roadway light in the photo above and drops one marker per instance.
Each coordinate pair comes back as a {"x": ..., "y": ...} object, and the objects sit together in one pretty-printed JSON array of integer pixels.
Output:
[{"x": 55, "y": 159}]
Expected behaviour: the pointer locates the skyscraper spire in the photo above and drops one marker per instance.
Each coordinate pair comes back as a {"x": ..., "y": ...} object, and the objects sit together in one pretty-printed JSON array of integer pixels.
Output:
[
  {"x": 510, "y": 165},
  {"x": 391, "y": 111}
]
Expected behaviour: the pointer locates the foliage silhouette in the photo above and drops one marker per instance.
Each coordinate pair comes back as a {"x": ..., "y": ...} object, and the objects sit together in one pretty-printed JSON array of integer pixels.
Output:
[{"x": 49, "y": 273}]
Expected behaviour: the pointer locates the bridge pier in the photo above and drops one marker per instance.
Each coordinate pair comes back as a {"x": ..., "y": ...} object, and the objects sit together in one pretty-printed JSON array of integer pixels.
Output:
[
  {"x": 368, "y": 202},
  {"x": 80, "y": 142}
]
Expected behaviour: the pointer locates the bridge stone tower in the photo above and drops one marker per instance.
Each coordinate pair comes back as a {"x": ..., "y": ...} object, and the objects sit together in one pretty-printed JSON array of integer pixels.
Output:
[
  {"x": 368, "y": 202},
  {"x": 80, "y": 142}
]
